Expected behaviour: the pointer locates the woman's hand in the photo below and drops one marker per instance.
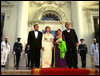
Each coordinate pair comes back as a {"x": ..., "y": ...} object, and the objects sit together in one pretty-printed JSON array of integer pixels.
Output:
[
  {"x": 52, "y": 48},
  {"x": 58, "y": 42}
]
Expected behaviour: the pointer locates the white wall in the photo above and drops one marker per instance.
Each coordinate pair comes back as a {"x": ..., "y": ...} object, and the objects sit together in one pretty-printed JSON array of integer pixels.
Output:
[{"x": 10, "y": 22}]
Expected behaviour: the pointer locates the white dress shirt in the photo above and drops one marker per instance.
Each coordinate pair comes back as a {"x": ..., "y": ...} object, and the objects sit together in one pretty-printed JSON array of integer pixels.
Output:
[
  {"x": 36, "y": 34},
  {"x": 68, "y": 30}
]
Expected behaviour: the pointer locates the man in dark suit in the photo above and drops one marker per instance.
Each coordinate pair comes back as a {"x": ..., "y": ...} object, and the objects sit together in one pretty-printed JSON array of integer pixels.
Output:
[
  {"x": 71, "y": 43},
  {"x": 27, "y": 54},
  {"x": 35, "y": 43}
]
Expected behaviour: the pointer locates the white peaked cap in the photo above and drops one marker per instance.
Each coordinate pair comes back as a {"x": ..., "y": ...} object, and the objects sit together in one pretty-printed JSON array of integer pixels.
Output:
[
  {"x": 6, "y": 37},
  {"x": 94, "y": 39}
]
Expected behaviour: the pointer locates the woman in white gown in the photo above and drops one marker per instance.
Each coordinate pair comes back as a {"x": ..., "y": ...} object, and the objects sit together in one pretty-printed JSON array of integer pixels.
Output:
[{"x": 47, "y": 45}]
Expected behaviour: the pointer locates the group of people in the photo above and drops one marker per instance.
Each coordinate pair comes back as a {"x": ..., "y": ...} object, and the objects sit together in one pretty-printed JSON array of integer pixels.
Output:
[{"x": 59, "y": 51}]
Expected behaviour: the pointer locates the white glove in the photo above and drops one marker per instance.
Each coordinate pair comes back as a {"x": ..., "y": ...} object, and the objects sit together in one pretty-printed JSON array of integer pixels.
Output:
[
  {"x": 1, "y": 52},
  {"x": 14, "y": 53},
  {"x": 21, "y": 53},
  {"x": 26, "y": 54}
]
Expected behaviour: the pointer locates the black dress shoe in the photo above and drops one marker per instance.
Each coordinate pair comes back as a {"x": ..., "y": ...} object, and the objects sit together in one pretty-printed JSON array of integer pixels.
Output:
[
  {"x": 70, "y": 67},
  {"x": 83, "y": 66},
  {"x": 17, "y": 68},
  {"x": 29, "y": 68},
  {"x": 3, "y": 66},
  {"x": 97, "y": 66},
  {"x": 75, "y": 67}
]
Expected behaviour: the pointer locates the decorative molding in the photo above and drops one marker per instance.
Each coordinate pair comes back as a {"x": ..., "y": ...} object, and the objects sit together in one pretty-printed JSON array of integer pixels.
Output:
[
  {"x": 63, "y": 4},
  {"x": 43, "y": 10},
  {"x": 92, "y": 5},
  {"x": 90, "y": 14},
  {"x": 8, "y": 5},
  {"x": 59, "y": 12},
  {"x": 40, "y": 3},
  {"x": 39, "y": 22}
]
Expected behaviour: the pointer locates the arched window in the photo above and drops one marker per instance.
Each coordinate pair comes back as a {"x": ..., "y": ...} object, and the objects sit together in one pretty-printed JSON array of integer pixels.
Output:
[{"x": 50, "y": 17}]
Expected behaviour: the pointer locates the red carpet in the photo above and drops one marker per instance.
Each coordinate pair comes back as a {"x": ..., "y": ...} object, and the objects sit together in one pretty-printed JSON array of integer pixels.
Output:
[{"x": 64, "y": 71}]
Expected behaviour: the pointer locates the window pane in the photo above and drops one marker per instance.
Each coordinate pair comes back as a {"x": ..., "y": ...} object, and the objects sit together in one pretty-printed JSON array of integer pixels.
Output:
[{"x": 50, "y": 17}]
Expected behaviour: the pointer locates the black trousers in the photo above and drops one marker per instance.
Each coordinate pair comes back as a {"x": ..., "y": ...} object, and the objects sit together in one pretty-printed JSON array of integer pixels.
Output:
[
  {"x": 17, "y": 59},
  {"x": 83, "y": 60},
  {"x": 71, "y": 57},
  {"x": 35, "y": 58},
  {"x": 52, "y": 58},
  {"x": 29, "y": 59}
]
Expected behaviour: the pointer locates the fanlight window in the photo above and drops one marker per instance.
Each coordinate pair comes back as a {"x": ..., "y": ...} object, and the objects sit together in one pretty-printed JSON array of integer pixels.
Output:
[{"x": 50, "y": 17}]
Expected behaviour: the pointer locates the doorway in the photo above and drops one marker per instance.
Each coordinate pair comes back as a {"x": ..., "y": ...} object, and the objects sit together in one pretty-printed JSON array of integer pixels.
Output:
[
  {"x": 96, "y": 27},
  {"x": 54, "y": 25},
  {"x": 2, "y": 24}
]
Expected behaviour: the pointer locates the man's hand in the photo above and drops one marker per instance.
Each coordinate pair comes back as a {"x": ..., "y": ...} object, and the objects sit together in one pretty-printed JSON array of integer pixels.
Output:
[{"x": 42, "y": 48}]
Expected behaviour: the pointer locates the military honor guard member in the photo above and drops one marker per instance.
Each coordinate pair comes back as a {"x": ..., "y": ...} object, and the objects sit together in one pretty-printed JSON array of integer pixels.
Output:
[
  {"x": 17, "y": 51},
  {"x": 95, "y": 52},
  {"x": 5, "y": 50},
  {"x": 82, "y": 49}
]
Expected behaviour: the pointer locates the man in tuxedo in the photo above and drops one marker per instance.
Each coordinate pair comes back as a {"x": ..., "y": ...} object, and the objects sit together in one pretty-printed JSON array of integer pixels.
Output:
[
  {"x": 35, "y": 43},
  {"x": 71, "y": 43}
]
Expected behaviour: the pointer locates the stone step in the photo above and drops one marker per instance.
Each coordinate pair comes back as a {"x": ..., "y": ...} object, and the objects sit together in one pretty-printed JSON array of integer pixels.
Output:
[{"x": 16, "y": 72}]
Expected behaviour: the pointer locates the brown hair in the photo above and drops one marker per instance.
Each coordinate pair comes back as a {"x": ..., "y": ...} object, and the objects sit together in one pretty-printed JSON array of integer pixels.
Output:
[
  {"x": 47, "y": 27},
  {"x": 58, "y": 30},
  {"x": 35, "y": 25}
]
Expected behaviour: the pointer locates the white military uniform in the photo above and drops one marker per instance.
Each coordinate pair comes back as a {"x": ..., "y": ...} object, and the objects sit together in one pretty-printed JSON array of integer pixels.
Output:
[
  {"x": 5, "y": 50},
  {"x": 95, "y": 53}
]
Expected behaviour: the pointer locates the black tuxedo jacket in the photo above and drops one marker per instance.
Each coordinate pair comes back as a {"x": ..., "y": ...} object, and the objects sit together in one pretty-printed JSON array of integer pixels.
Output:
[
  {"x": 71, "y": 38},
  {"x": 35, "y": 42}
]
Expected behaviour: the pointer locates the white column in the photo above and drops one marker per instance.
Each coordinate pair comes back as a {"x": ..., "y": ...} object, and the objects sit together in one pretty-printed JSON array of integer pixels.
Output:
[
  {"x": 77, "y": 21},
  {"x": 21, "y": 27},
  {"x": 22, "y": 24}
]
